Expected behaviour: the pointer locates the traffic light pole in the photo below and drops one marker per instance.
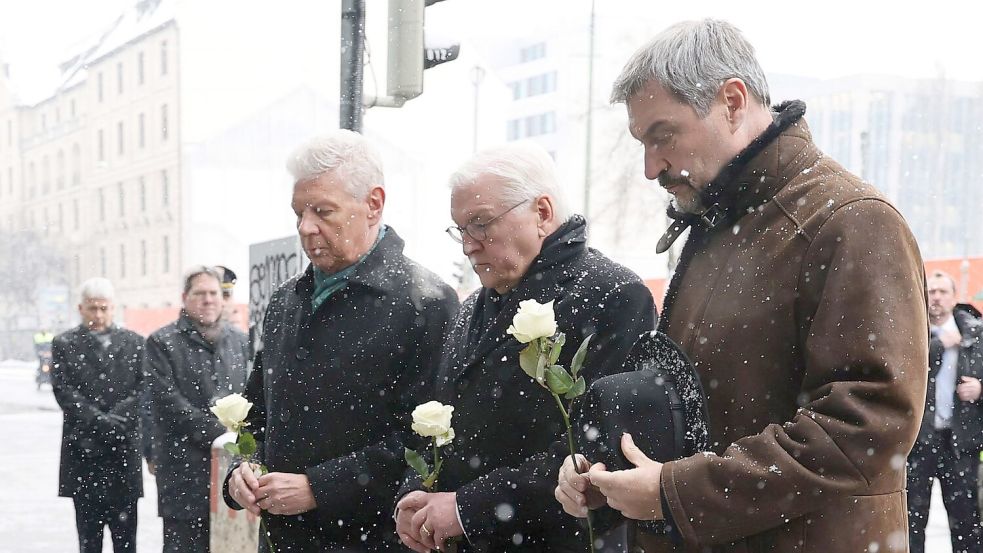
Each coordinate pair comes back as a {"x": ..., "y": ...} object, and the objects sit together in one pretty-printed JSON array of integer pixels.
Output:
[{"x": 352, "y": 69}]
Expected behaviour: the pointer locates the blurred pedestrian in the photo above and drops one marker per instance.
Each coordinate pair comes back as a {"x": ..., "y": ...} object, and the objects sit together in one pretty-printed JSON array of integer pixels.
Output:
[
  {"x": 97, "y": 377},
  {"x": 348, "y": 352},
  {"x": 798, "y": 296},
  {"x": 951, "y": 436},
  {"x": 191, "y": 363}
]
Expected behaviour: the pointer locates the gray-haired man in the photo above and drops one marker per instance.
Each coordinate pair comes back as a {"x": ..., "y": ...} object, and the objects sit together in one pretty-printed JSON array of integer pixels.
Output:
[
  {"x": 97, "y": 377},
  {"x": 349, "y": 349},
  {"x": 799, "y": 297}
]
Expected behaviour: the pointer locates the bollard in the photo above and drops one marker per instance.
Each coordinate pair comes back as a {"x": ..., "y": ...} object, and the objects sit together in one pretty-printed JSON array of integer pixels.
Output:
[{"x": 231, "y": 531}]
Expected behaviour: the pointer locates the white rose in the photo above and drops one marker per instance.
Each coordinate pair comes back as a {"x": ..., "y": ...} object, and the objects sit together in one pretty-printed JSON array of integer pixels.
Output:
[
  {"x": 433, "y": 419},
  {"x": 231, "y": 410},
  {"x": 445, "y": 438},
  {"x": 534, "y": 320}
]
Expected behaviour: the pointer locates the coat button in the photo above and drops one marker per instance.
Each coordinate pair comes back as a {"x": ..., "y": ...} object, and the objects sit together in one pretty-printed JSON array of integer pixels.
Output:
[
  {"x": 284, "y": 415},
  {"x": 301, "y": 353}
]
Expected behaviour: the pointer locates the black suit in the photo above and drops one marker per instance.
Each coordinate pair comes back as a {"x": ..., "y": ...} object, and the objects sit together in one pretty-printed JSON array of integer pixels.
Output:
[
  {"x": 951, "y": 455},
  {"x": 98, "y": 390},
  {"x": 187, "y": 373},
  {"x": 504, "y": 422},
  {"x": 333, "y": 390}
]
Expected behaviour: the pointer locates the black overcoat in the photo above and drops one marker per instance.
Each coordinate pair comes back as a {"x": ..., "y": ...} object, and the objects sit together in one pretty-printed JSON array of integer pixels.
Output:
[
  {"x": 187, "y": 374},
  {"x": 967, "y": 416},
  {"x": 504, "y": 422},
  {"x": 334, "y": 388},
  {"x": 100, "y": 455}
]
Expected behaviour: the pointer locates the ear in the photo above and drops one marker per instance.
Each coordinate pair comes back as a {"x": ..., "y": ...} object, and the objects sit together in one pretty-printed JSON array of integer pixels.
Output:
[
  {"x": 735, "y": 97},
  {"x": 376, "y": 201},
  {"x": 545, "y": 215}
]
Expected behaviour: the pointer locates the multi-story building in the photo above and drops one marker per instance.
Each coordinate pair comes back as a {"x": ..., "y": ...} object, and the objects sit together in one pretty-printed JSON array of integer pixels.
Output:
[{"x": 919, "y": 140}]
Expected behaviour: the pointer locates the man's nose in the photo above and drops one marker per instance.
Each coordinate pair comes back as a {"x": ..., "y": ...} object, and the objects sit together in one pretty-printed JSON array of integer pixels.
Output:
[
  {"x": 305, "y": 226},
  {"x": 470, "y": 245},
  {"x": 654, "y": 166}
]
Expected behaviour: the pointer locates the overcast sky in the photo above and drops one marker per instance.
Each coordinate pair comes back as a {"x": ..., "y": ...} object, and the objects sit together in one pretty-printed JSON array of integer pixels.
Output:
[{"x": 828, "y": 39}]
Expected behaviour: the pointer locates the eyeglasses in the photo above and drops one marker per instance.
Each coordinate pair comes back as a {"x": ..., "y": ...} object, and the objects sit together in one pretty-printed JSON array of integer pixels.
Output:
[{"x": 477, "y": 231}]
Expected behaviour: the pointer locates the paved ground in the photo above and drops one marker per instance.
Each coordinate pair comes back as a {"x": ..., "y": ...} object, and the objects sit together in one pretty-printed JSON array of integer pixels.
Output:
[{"x": 34, "y": 520}]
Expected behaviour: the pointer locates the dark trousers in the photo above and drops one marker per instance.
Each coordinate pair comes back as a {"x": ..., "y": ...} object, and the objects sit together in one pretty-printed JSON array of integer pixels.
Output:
[
  {"x": 93, "y": 514},
  {"x": 186, "y": 535},
  {"x": 957, "y": 473}
]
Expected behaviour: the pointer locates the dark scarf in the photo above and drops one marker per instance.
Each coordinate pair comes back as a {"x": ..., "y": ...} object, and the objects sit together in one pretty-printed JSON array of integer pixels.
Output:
[
  {"x": 721, "y": 195},
  {"x": 566, "y": 242}
]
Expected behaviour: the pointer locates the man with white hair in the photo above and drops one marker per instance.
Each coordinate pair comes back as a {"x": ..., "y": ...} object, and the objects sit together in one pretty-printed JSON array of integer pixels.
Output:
[
  {"x": 97, "y": 378},
  {"x": 512, "y": 222},
  {"x": 348, "y": 353},
  {"x": 799, "y": 297}
]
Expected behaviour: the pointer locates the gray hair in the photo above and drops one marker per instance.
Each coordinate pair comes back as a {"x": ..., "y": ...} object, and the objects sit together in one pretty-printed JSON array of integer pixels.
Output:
[
  {"x": 199, "y": 270},
  {"x": 526, "y": 170},
  {"x": 97, "y": 288},
  {"x": 355, "y": 160},
  {"x": 691, "y": 60}
]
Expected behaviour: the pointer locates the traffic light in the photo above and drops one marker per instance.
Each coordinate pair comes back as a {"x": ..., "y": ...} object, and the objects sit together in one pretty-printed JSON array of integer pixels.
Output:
[{"x": 408, "y": 52}]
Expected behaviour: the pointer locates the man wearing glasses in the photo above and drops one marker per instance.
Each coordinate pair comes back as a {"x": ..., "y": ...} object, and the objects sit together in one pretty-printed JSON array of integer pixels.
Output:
[{"x": 513, "y": 224}]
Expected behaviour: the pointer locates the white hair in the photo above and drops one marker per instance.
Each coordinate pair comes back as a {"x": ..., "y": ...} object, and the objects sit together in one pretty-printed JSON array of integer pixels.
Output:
[
  {"x": 97, "y": 288},
  {"x": 526, "y": 172},
  {"x": 691, "y": 60},
  {"x": 348, "y": 153}
]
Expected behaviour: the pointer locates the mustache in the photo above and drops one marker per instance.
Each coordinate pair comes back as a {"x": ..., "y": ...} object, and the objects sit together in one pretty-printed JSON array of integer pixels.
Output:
[{"x": 666, "y": 180}]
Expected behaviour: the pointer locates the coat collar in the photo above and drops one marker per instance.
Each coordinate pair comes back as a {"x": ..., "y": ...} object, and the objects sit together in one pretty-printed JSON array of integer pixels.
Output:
[
  {"x": 544, "y": 276},
  {"x": 187, "y": 327},
  {"x": 375, "y": 271},
  {"x": 89, "y": 340},
  {"x": 749, "y": 180}
]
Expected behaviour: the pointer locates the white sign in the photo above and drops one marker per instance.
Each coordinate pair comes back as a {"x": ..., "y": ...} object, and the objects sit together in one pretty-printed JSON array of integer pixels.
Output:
[{"x": 270, "y": 265}]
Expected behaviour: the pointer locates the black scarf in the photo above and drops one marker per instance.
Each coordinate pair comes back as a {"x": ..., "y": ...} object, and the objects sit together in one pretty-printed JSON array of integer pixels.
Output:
[{"x": 721, "y": 195}]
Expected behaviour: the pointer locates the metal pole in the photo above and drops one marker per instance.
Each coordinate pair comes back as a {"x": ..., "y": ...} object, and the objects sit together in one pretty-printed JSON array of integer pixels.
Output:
[
  {"x": 477, "y": 75},
  {"x": 590, "y": 112},
  {"x": 352, "y": 49}
]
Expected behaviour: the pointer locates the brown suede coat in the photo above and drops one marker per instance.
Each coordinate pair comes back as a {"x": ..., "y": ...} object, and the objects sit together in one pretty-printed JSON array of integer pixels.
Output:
[{"x": 806, "y": 321}]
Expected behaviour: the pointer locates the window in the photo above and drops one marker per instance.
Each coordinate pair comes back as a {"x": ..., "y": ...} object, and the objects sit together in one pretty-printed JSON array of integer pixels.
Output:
[
  {"x": 75, "y": 214},
  {"x": 143, "y": 195},
  {"x": 163, "y": 57},
  {"x": 76, "y": 165},
  {"x": 119, "y": 138},
  {"x": 140, "y": 74},
  {"x": 119, "y": 77},
  {"x": 60, "y": 170},
  {"x": 10, "y": 180},
  {"x": 78, "y": 268},
  {"x": 163, "y": 122},
  {"x": 45, "y": 175},
  {"x": 44, "y": 122},
  {"x": 166, "y": 261},
  {"x": 122, "y": 260},
  {"x": 533, "y": 52},
  {"x": 514, "y": 127},
  {"x": 122, "y": 198},
  {"x": 10, "y": 133},
  {"x": 165, "y": 188},
  {"x": 57, "y": 116},
  {"x": 100, "y": 145},
  {"x": 61, "y": 218},
  {"x": 99, "y": 87},
  {"x": 102, "y": 206},
  {"x": 32, "y": 180},
  {"x": 541, "y": 84},
  {"x": 516, "y": 89},
  {"x": 71, "y": 108},
  {"x": 141, "y": 130},
  {"x": 143, "y": 258},
  {"x": 102, "y": 261}
]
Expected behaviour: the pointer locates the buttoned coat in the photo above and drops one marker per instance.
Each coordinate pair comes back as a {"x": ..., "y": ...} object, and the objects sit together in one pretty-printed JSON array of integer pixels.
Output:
[{"x": 100, "y": 457}]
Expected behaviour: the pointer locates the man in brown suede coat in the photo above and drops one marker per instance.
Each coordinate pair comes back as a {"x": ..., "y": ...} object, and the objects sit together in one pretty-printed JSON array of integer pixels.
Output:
[{"x": 799, "y": 297}]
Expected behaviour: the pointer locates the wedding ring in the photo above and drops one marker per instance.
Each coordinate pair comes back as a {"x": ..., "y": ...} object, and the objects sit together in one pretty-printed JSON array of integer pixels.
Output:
[{"x": 426, "y": 531}]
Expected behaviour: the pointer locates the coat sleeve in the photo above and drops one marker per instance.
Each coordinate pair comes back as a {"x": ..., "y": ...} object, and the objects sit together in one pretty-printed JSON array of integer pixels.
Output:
[
  {"x": 255, "y": 420},
  {"x": 71, "y": 401},
  {"x": 130, "y": 406},
  {"x": 528, "y": 485},
  {"x": 374, "y": 472},
  {"x": 171, "y": 408},
  {"x": 862, "y": 324}
]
